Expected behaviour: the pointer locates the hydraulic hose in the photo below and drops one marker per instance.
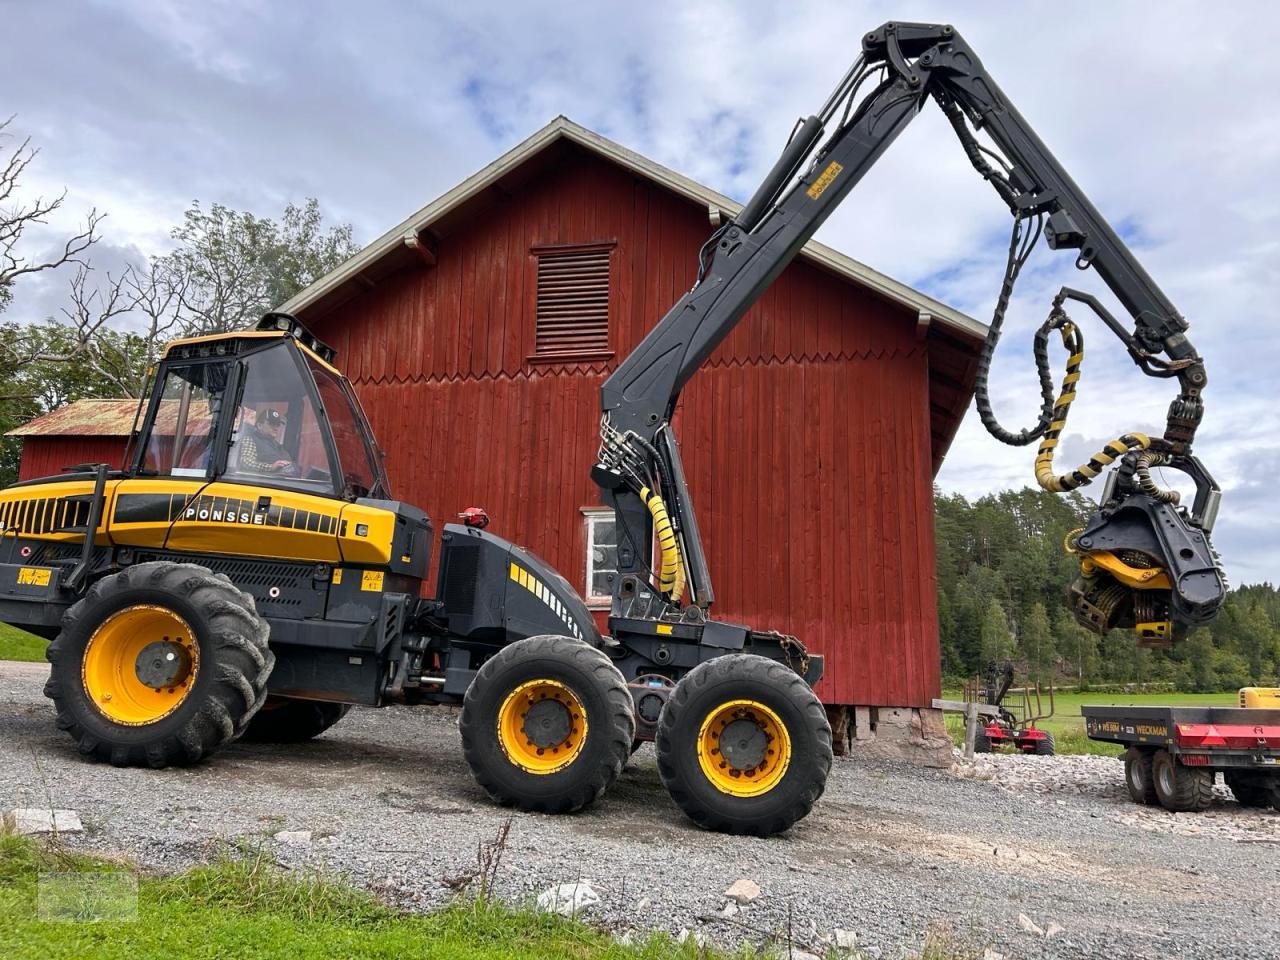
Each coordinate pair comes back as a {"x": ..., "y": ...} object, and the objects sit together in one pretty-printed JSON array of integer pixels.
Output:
[
  {"x": 671, "y": 575},
  {"x": 1142, "y": 470},
  {"x": 1073, "y": 340}
]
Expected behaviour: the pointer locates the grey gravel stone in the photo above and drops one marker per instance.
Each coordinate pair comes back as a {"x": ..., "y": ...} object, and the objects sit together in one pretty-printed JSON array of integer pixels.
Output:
[{"x": 890, "y": 851}]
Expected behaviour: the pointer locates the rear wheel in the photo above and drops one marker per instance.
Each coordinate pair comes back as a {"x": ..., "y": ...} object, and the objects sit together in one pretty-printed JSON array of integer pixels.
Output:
[
  {"x": 1254, "y": 789},
  {"x": 282, "y": 720},
  {"x": 1137, "y": 777},
  {"x": 1045, "y": 747},
  {"x": 744, "y": 745},
  {"x": 159, "y": 664},
  {"x": 981, "y": 742},
  {"x": 547, "y": 724},
  {"x": 1179, "y": 788}
]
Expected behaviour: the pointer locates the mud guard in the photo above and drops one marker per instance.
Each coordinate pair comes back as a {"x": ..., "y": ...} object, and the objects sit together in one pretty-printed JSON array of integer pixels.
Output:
[{"x": 494, "y": 591}]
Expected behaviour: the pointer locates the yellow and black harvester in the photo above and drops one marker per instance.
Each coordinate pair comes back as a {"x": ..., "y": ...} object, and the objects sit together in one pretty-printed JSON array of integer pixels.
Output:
[{"x": 247, "y": 574}]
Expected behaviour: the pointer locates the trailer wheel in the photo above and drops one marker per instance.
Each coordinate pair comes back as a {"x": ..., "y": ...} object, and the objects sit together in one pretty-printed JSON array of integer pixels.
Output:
[
  {"x": 744, "y": 745},
  {"x": 159, "y": 664},
  {"x": 547, "y": 724},
  {"x": 1045, "y": 747},
  {"x": 1179, "y": 788},
  {"x": 284, "y": 720},
  {"x": 1253, "y": 789},
  {"x": 1137, "y": 777}
]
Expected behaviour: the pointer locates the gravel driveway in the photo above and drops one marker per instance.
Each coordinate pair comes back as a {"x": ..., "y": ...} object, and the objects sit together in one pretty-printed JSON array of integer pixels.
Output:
[{"x": 890, "y": 852}]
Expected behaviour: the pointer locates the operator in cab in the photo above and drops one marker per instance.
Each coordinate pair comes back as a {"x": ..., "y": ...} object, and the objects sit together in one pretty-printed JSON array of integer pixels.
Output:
[{"x": 261, "y": 449}]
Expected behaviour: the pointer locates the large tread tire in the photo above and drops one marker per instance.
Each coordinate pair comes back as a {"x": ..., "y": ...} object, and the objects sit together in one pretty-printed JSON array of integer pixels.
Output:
[
  {"x": 1137, "y": 777},
  {"x": 1046, "y": 747},
  {"x": 284, "y": 720},
  {"x": 228, "y": 689},
  {"x": 776, "y": 686},
  {"x": 1181, "y": 789},
  {"x": 981, "y": 743},
  {"x": 611, "y": 724},
  {"x": 1254, "y": 789}
]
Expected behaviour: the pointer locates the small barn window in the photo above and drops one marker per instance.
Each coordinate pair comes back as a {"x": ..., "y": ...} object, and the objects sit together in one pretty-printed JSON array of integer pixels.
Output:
[
  {"x": 572, "y": 302},
  {"x": 602, "y": 556}
]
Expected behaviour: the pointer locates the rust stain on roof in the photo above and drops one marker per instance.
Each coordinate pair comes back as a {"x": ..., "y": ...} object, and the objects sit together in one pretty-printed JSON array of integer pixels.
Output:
[{"x": 84, "y": 418}]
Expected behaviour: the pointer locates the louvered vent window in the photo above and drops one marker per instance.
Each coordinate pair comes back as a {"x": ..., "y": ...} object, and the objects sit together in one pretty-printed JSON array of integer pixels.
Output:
[{"x": 573, "y": 302}]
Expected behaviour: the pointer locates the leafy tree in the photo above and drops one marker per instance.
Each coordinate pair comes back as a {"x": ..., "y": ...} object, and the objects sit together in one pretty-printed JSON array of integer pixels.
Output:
[
  {"x": 1198, "y": 651},
  {"x": 1037, "y": 643},
  {"x": 997, "y": 641},
  {"x": 233, "y": 266}
]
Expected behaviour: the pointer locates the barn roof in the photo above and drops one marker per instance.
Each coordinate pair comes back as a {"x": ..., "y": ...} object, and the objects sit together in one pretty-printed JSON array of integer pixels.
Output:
[
  {"x": 409, "y": 232},
  {"x": 83, "y": 418}
]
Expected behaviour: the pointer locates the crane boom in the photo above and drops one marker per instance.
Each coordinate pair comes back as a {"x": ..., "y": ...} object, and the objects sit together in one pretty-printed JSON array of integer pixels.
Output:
[{"x": 1146, "y": 562}]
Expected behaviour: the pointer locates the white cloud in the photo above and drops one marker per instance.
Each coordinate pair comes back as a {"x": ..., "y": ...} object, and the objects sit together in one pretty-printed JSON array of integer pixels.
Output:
[{"x": 1164, "y": 118}]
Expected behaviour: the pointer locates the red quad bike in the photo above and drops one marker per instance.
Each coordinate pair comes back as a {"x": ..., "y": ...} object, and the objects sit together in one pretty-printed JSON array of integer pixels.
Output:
[{"x": 1006, "y": 728}]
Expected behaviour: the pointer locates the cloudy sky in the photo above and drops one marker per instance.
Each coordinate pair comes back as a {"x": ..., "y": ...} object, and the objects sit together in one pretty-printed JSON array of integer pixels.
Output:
[{"x": 1162, "y": 112}]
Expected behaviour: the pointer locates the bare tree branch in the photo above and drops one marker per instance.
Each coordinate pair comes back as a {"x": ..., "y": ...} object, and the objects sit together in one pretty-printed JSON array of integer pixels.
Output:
[{"x": 16, "y": 218}]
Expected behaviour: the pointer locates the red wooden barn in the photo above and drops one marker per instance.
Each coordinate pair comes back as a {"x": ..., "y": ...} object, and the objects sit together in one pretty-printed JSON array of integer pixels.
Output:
[
  {"x": 477, "y": 334},
  {"x": 87, "y": 431}
]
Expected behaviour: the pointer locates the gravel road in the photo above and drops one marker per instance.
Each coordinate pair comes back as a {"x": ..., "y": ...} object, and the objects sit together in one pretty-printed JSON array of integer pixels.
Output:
[{"x": 890, "y": 852}]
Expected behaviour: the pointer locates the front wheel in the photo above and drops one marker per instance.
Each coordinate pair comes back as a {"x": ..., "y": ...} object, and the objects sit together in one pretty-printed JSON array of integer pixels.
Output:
[
  {"x": 547, "y": 724},
  {"x": 744, "y": 745},
  {"x": 159, "y": 664}
]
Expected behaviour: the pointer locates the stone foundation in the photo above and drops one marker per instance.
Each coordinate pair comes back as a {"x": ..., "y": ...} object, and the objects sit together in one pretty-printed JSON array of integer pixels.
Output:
[{"x": 915, "y": 734}]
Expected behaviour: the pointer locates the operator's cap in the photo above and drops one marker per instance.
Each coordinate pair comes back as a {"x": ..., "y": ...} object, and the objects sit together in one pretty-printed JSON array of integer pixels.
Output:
[{"x": 273, "y": 418}]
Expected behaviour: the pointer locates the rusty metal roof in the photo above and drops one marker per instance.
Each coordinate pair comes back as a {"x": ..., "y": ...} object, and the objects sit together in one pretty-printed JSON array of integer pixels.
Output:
[{"x": 84, "y": 418}]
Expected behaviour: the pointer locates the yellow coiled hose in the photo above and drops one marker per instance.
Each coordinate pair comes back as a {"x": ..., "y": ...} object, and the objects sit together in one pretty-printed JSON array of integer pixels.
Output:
[
  {"x": 1073, "y": 340},
  {"x": 671, "y": 575}
]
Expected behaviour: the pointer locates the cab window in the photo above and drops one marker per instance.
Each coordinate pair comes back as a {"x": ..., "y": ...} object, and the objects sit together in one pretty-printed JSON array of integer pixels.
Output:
[
  {"x": 359, "y": 475},
  {"x": 276, "y": 433},
  {"x": 181, "y": 439}
]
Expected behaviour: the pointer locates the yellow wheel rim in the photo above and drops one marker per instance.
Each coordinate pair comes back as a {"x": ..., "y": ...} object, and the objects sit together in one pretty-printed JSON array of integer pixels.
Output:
[
  {"x": 743, "y": 748},
  {"x": 140, "y": 665},
  {"x": 542, "y": 726}
]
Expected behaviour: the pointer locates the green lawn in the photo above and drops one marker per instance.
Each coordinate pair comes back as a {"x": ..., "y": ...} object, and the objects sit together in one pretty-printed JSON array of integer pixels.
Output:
[
  {"x": 17, "y": 644},
  {"x": 247, "y": 908},
  {"x": 1067, "y": 722}
]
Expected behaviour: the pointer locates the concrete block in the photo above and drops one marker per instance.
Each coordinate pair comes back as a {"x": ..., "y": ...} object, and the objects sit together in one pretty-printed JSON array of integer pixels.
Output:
[
  {"x": 862, "y": 724},
  {"x": 38, "y": 820}
]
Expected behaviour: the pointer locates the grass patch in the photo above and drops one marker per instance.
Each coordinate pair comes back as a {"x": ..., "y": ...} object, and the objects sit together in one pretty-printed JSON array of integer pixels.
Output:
[
  {"x": 248, "y": 907},
  {"x": 17, "y": 644},
  {"x": 1067, "y": 722}
]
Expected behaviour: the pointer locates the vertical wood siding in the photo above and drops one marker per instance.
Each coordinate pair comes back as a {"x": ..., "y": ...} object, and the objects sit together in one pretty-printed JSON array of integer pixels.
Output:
[
  {"x": 46, "y": 456},
  {"x": 806, "y": 437}
]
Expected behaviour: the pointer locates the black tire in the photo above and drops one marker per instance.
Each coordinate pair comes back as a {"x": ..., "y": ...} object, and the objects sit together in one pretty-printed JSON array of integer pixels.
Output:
[
  {"x": 226, "y": 691},
  {"x": 1180, "y": 789},
  {"x": 705, "y": 689},
  {"x": 1045, "y": 747},
  {"x": 602, "y": 692},
  {"x": 283, "y": 720},
  {"x": 1253, "y": 789},
  {"x": 981, "y": 743},
  {"x": 1137, "y": 777}
]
